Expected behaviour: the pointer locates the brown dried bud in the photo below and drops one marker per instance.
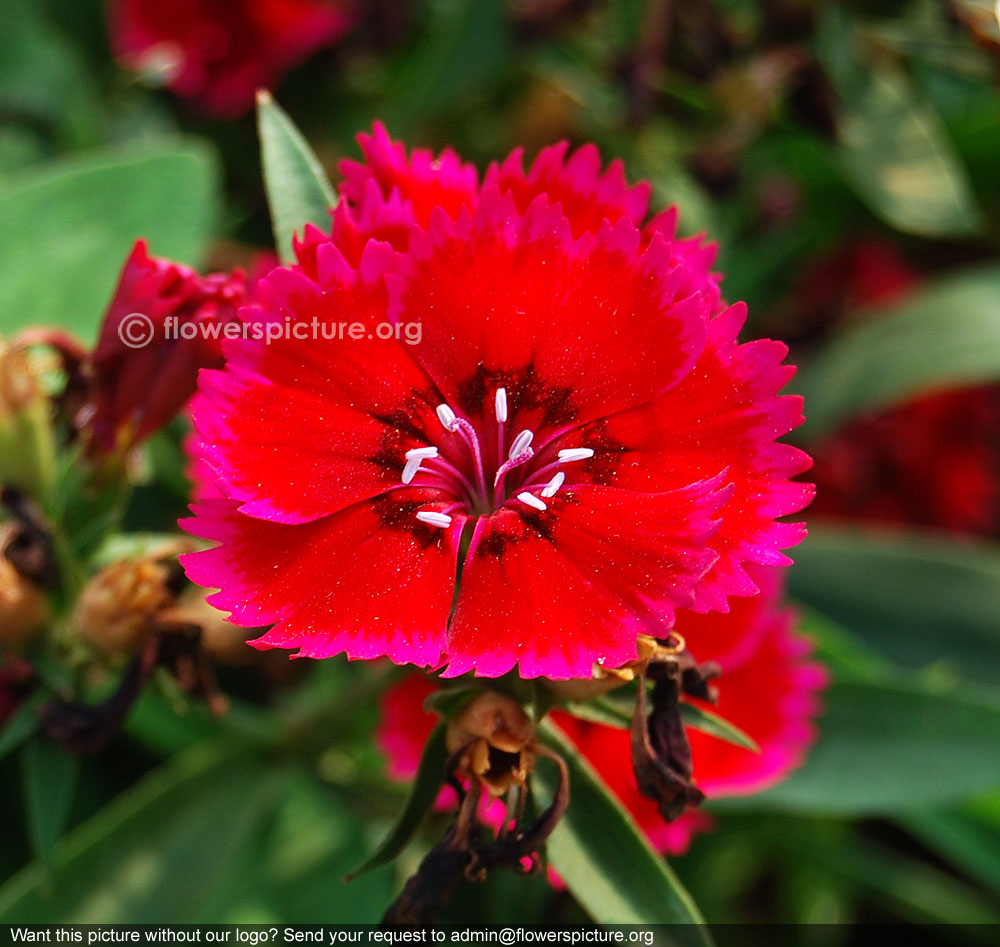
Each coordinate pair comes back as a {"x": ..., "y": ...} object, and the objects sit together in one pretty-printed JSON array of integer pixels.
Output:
[
  {"x": 661, "y": 754},
  {"x": 493, "y": 743},
  {"x": 23, "y": 608},
  {"x": 116, "y": 610},
  {"x": 19, "y": 388}
]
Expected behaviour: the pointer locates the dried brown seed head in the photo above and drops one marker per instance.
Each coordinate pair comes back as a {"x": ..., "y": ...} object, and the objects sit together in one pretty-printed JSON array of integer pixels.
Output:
[
  {"x": 18, "y": 386},
  {"x": 116, "y": 610},
  {"x": 495, "y": 742},
  {"x": 23, "y": 608}
]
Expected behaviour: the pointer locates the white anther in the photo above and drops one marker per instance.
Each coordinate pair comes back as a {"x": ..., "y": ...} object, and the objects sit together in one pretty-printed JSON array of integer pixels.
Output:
[
  {"x": 531, "y": 500},
  {"x": 501, "y": 404},
  {"x": 411, "y": 468},
  {"x": 575, "y": 453},
  {"x": 421, "y": 453},
  {"x": 521, "y": 443},
  {"x": 447, "y": 417},
  {"x": 549, "y": 490},
  {"x": 434, "y": 519}
]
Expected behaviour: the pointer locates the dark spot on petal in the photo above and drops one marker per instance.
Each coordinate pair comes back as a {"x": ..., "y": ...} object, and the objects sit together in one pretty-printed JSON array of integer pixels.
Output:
[
  {"x": 402, "y": 421},
  {"x": 395, "y": 511},
  {"x": 608, "y": 453},
  {"x": 494, "y": 544},
  {"x": 525, "y": 388}
]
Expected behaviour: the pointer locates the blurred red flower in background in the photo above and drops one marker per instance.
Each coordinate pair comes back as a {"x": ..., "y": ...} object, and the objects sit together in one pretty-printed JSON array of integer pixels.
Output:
[
  {"x": 933, "y": 460},
  {"x": 867, "y": 272},
  {"x": 218, "y": 53},
  {"x": 769, "y": 688},
  {"x": 578, "y": 406}
]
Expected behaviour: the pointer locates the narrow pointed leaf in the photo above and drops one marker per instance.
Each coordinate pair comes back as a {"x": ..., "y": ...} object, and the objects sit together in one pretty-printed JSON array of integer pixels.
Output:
[
  {"x": 600, "y": 711},
  {"x": 605, "y": 860},
  {"x": 964, "y": 841},
  {"x": 711, "y": 723},
  {"x": 426, "y": 786},
  {"x": 20, "y": 725},
  {"x": 50, "y": 776},
  {"x": 614, "y": 713},
  {"x": 298, "y": 191}
]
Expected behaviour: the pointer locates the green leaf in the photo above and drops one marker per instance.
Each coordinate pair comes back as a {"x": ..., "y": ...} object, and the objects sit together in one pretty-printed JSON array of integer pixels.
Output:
[
  {"x": 448, "y": 701},
  {"x": 69, "y": 227},
  {"x": 177, "y": 847},
  {"x": 161, "y": 726},
  {"x": 947, "y": 334},
  {"x": 426, "y": 786},
  {"x": 604, "y": 858},
  {"x": 925, "y": 601},
  {"x": 711, "y": 723},
  {"x": 119, "y": 546},
  {"x": 298, "y": 191},
  {"x": 21, "y": 724},
  {"x": 50, "y": 776},
  {"x": 888, "y": 748},
  {"x": 44, "y": 80},
  {"x": 969, "y": 843},
  {"x": 602, "y": 711},
  {"x": 893, "y": 147},
  {"x": 301, "y": 864},
  {"x": 896, "y": 153}
]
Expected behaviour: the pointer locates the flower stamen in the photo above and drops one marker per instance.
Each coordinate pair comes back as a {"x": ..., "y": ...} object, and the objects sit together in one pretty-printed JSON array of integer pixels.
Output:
[
  {"x": 575, "y": 453},
  {"x": 414, "y": 458},
  {"x": 529, "y": 499},
  {"x": 501, "y": 405},
  {"x": 520, "y": 444},
  {"x": 432, "y": 518},
  {"x": 447, "y": 417},
  {"x": 550, "y": 489}
]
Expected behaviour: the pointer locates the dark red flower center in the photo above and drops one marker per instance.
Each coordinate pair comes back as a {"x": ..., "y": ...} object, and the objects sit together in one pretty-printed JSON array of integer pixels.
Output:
[{"x": 486, "y": 468}]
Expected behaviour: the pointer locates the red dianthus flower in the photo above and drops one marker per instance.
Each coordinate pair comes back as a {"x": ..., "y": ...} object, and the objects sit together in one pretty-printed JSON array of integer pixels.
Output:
[
  {"x": 220, "y": 52},
  {"x": 578, "y": 442}
]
